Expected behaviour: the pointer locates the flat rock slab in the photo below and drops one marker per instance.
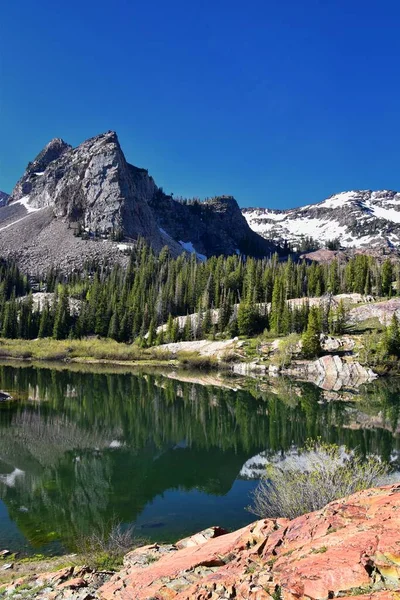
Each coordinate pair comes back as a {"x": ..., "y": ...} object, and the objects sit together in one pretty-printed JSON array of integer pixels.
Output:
[{"x": 351, "y": 548}]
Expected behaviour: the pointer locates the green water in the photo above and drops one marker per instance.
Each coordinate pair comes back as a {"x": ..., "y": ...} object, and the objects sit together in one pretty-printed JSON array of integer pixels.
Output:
[{"x": 78, "y": 449}]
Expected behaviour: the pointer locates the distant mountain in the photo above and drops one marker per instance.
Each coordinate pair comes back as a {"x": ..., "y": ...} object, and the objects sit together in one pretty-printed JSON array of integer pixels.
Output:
[
  {"x": 3, "y": 198},
  {"x": 89, "y": 203},
  {"x": 357, "y": 219}
]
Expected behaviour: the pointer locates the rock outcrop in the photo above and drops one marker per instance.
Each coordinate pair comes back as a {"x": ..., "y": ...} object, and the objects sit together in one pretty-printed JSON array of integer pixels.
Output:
[
  {"x": 91, "y": 194},
  {"x": 383, "y": 311},
  {"x": 331, "y": 372},
  {"x": 213, "y": 227},
  {"x": 78, "y": 583},
  {"x": 91, "y": 186},
  {"x": 351, "y": 548}
]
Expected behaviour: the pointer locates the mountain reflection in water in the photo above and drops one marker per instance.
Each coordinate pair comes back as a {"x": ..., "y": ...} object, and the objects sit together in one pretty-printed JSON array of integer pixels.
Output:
[{"x": 82, "y": 448}]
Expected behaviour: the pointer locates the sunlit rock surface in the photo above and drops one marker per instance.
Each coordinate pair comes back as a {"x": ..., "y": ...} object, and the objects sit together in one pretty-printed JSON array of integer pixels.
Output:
[{"x": 350, "y": 548}]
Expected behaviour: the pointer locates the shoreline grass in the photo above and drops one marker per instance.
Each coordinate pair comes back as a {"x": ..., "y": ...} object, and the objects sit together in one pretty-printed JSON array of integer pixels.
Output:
[
  {"x": 102, "y": 352},
  {"x": 87, "y": 350}
]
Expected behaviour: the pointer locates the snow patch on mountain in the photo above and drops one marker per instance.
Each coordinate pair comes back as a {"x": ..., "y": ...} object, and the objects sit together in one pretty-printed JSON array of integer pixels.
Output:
[
  {"x": 389, "y": 214},
  {"x": 357, "y": 218},
  {"x": 188, "y": 246},
  {"x": 25, "y": 203}
]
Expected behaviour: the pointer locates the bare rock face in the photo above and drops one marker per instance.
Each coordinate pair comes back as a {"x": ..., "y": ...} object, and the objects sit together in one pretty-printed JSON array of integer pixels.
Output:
[
  {"x": 383, "y": 311},
  {"x": 213, "y": 227},
  {"x": 331, "y": 372},
  {"x": 348, "y": 549},
  {"x": 91, "y": 185}
]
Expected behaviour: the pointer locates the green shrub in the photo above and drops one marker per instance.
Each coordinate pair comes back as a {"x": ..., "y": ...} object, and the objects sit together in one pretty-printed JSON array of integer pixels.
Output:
[
  {"x": 319, "y": 474},
  {"x": 105, "y": 548},
  {"x": 287, "y": 349},
  {"x": 197, "y": 361}
]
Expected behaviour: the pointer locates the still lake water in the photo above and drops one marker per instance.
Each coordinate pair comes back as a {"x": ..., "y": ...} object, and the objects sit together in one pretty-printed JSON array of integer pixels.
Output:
[{"x": 78, "y": 449}]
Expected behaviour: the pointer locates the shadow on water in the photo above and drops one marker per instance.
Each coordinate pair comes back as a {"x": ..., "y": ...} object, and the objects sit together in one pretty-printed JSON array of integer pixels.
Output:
[{"x": 78, "y": 449}]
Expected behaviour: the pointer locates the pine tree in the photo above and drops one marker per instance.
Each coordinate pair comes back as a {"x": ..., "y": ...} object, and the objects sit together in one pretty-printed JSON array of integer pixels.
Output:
[
  {"x": 392, "y": 338},
  {"x": 151, "y": 338},
  {"x": 113, "y": 328},
  {"x": 207, "y": 322},
  {"x": 62, "y": 316},
  {"x": 10, "y": 321},
  {"x": 45, "y": 326},
  {"x": 170, "y": 328},
  {"x": 387, "y": 277},
  {"x": 247, "y": 319},
  {"x": 311, "y": 345},
  {"x": 341, "y": 318}
]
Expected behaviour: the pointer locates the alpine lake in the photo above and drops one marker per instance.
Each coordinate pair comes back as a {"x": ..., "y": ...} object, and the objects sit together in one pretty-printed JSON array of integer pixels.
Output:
[{"x": 83, "y": 448}]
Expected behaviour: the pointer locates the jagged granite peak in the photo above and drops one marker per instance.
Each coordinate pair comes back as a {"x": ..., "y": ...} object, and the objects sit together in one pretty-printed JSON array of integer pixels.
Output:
[
  {"x": 93, "y": 186},
  {"x": 358, "y": 219},
  {"x": 51, "y": 152},
  {"x": 77, "y": 204}
]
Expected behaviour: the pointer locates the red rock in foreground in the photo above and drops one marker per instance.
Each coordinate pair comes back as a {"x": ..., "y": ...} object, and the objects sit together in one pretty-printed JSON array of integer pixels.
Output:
[{"x": 351, "y": 548}]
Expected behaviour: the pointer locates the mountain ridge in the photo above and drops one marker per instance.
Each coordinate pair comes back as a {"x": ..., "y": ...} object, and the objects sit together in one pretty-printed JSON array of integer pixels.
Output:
[{"x": 357, "y": 219}]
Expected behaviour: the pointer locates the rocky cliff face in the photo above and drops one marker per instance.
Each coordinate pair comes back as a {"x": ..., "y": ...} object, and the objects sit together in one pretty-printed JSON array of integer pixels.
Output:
[
  {"x": 68, "y": 194},
  {"x": 93, "y": 186},
  {"x": 214, "y": 227},
  {"x": 361, "y": 218}
]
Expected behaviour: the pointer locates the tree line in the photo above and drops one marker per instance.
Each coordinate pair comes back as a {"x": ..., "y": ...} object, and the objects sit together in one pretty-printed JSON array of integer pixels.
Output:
[{"x": 128, "y": 303}]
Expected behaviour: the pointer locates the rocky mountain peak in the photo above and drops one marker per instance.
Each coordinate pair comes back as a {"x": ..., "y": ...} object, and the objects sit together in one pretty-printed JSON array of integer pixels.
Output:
[
  {"x": 51, "y": 152},
  {"x": 69, "y": 197},
  {"x": 92, "y": 187}
]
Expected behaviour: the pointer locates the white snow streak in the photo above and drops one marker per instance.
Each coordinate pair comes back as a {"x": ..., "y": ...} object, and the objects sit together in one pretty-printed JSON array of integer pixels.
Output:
[
  {"x": 25, "y": 203},
  {"x": 29, "y": 209},
  {"x": 188, "y": 246}
]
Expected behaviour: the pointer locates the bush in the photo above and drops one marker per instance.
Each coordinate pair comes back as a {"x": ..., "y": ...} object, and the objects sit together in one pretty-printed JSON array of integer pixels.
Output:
[
  {"x": 106, "y": 548},
  {"x": 317, "y": 475},
  {"x": 287, "y": 349},
  {"x": 195, "y": 360}
]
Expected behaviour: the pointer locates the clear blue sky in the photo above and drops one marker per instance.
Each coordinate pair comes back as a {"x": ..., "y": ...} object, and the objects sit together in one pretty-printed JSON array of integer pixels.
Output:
[{"x": 278, "y": 102}]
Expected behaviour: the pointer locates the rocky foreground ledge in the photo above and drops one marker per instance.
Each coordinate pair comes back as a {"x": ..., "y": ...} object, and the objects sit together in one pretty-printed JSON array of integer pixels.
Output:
[{"x": 351, "y": 548}]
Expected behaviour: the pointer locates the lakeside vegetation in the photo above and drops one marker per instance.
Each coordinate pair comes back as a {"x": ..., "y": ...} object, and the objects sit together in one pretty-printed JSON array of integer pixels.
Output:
[
  {"x": 107, "y": 350},
  {"x": 126, "y": 304},
  {"x": 111, "y": 314}
]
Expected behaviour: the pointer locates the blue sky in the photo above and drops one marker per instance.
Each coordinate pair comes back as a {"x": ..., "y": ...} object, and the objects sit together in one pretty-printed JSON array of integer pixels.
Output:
[{"x": 278, "y": 103}]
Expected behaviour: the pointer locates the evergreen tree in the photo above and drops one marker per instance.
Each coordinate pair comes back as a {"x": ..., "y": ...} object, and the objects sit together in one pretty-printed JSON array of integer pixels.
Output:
[
  {"x": 207, "y": 322},
  {"x": 46, "y": 325},
  {"x": 387, "y": 277},
  {"x": 152, "y": 333},
  {"x": 62, "y": 317},
  {"x": 10, "y": 321},
  {"x": 392, "y": 338},
  {"x": 311, "y": 344},
  {"x": 248, "y": 319},
  {"x": 341, "y": 318}
]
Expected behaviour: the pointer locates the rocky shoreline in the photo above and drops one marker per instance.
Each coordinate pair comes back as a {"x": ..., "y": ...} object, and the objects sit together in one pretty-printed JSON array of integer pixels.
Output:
[{"x": 351, "y": 548}]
